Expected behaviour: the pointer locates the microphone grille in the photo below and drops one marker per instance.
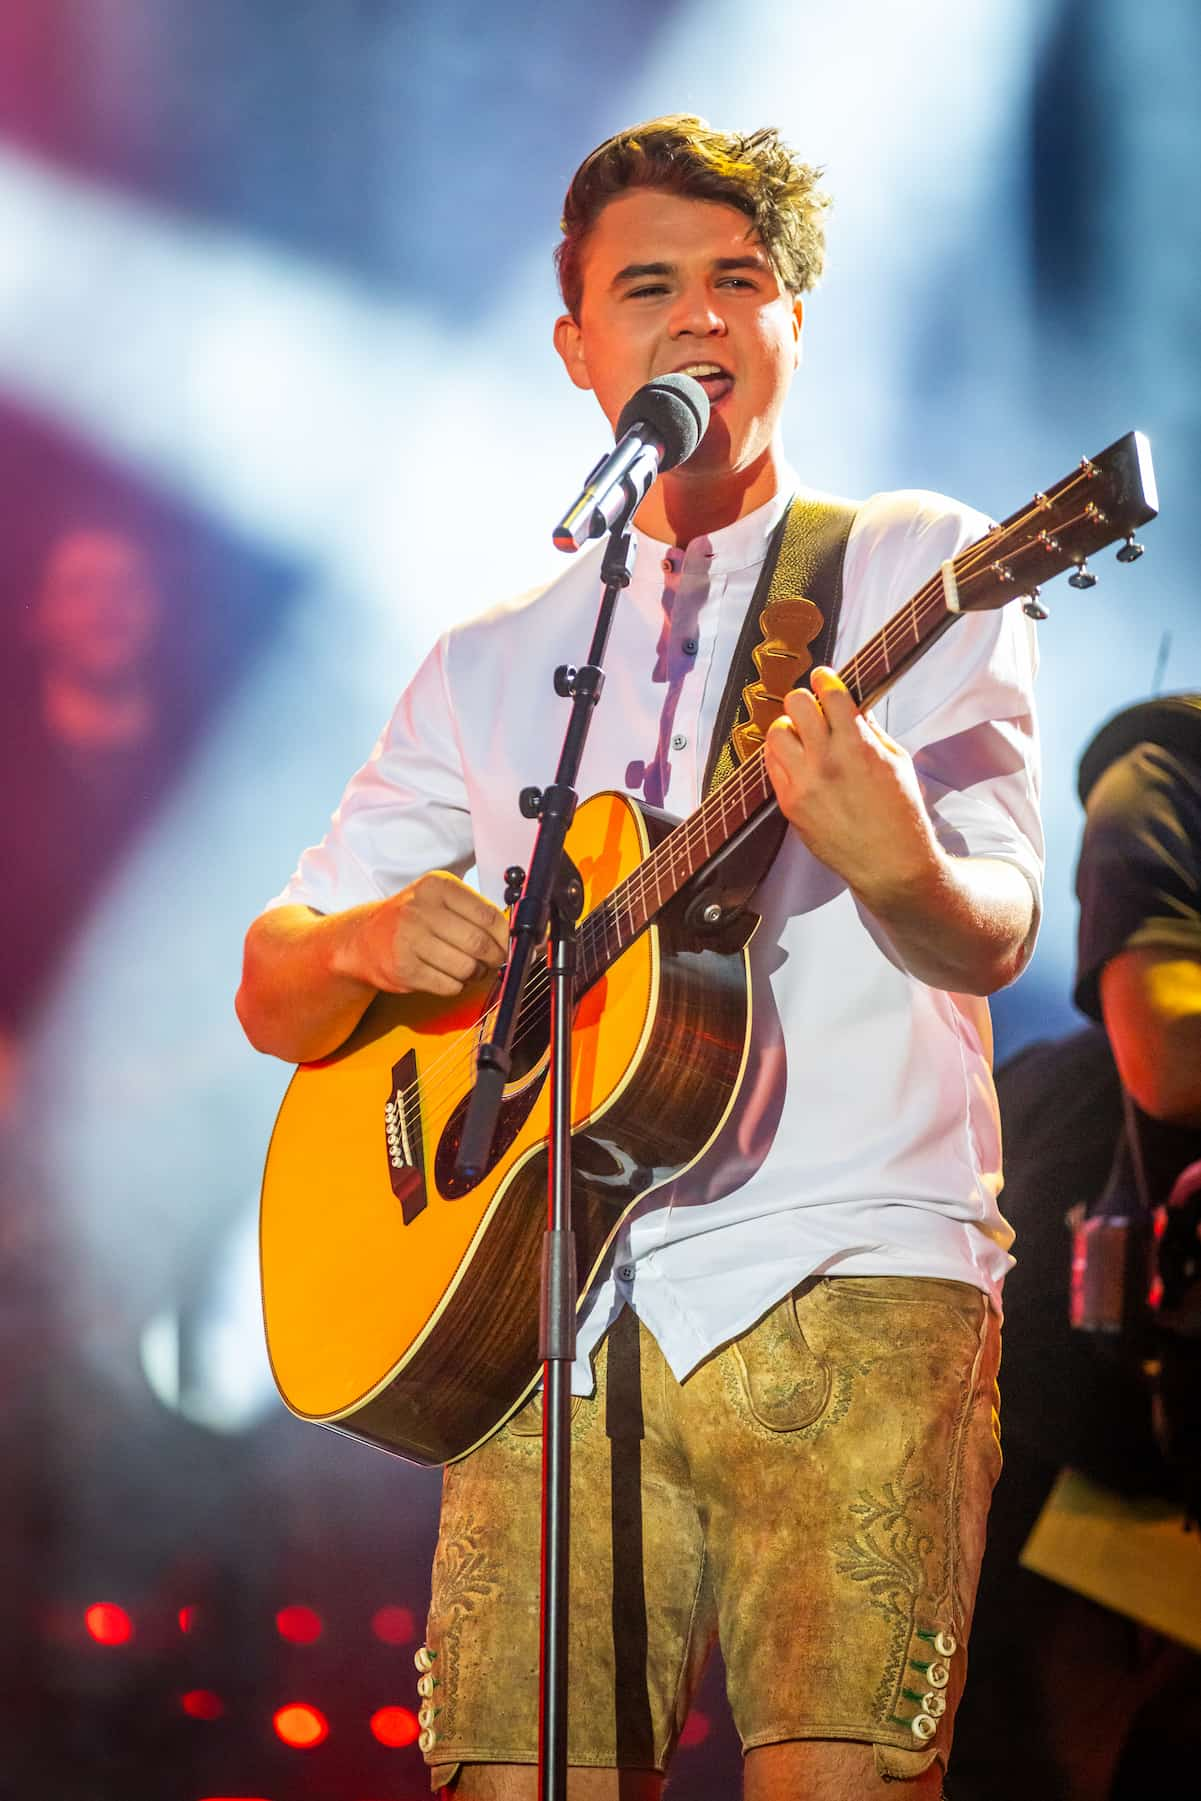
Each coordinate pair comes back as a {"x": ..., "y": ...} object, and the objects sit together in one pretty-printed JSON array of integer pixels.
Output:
[{"x": 676, "y": 407}]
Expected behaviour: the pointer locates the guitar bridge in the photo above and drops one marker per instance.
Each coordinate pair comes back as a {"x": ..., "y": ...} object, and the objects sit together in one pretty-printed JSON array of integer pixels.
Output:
[{"x": 403, "y": 1137}]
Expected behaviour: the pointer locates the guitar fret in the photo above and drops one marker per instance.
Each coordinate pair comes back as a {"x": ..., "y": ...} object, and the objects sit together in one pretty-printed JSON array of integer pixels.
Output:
[{"x": 692, "y": 844}]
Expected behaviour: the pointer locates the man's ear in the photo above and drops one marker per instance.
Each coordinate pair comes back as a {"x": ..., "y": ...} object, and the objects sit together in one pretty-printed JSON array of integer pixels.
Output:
[
  {"x": 569, "y": 342},
  {"x": 798, "y": 320}
]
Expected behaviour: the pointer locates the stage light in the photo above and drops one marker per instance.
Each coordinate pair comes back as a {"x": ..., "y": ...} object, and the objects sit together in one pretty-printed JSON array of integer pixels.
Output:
[
  {"x": 299, "y": 1625},
  {"x": 395, "y": 1726},
  {"x": 188, "y": 1617},
  {"x": 696, "y": 1730},
  {"x": 202, "y": 1704},
  {"x": 108, "y": 1623},
  {"x": 300, "y": 1725},
  {"x": 394, "y": 1625}
]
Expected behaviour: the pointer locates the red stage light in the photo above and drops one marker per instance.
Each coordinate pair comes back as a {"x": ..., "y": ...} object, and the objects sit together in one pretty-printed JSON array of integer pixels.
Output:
[
  {"x": 108, "y": 1623},
  {"x": 188, "y": 1617},
  {"x": 696, "y": 1730},
  {"x": 394, "y": 1625},
  {"x": 300, "y": 1725},
  {"x": 395, "y": 1726},
  {"x": 202, "y": 1704},
  {"x": 299, "y": 1625}
]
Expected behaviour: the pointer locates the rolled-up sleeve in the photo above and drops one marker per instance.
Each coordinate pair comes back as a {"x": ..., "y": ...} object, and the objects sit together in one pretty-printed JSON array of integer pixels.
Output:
[
  {"x": 966, "y": 716},
  {"x": 403, "y": 813}
]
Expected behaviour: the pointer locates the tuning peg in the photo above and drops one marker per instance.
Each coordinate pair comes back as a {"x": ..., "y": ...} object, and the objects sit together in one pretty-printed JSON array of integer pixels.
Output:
[
  {"x": 1130, "y": 551},
  {"x": 1031, "y": 607},
  {"x": 1082, "y": 576}
]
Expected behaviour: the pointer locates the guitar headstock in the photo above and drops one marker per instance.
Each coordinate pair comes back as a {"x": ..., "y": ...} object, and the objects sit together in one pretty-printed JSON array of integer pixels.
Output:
[{"x": 1106, "y": 499}]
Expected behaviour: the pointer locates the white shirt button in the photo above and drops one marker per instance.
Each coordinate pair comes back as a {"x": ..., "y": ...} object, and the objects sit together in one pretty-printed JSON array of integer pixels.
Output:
[
  {"x": 691, "y": 646},
  {"x": 679, "y": 742},
  {"x": 626, "y": 1273}
]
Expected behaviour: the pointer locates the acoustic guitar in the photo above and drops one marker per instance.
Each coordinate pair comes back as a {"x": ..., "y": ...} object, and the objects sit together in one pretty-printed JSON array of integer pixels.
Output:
[{"x": 401, "y": 1304}]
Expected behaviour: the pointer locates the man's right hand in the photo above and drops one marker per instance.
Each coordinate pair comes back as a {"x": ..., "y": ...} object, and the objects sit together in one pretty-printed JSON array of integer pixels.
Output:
[
  {"x": 308, "y": 978},
  {"x": 433, "y": 937}
]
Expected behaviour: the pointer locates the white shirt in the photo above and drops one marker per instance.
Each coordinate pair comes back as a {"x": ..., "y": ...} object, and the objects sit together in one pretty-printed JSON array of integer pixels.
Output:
[{"x": 865, "y": 1138}]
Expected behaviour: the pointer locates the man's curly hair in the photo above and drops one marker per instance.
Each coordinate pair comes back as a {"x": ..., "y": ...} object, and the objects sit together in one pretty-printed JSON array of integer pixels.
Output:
[{"x": 754, "y": 171}]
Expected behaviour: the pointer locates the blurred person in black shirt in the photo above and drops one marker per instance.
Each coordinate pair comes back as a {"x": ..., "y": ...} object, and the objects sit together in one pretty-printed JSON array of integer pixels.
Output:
[{"x": 1069, "y": 1697}]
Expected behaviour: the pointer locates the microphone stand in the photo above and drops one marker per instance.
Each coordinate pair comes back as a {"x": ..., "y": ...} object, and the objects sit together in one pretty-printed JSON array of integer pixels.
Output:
[{"x": 551, "y": 897}]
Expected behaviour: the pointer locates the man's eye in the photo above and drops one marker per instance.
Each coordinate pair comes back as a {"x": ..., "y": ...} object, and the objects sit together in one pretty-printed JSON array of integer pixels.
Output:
[{"x": 656, "y": 287}]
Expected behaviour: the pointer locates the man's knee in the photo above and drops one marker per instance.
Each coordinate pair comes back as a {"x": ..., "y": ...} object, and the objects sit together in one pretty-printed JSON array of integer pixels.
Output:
[
  {"x": 519, "y": 1782},
  {"x": 831, "y": 1770}
]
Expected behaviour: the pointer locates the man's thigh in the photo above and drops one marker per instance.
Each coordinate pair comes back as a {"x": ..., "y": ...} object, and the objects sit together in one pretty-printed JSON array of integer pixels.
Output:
[
  {"x": 827, "y": 1770},
  {"x": 519, "y": 1782},
  {"x": 641, "y": 1618},
  {"x": 844, "y": 1452}
]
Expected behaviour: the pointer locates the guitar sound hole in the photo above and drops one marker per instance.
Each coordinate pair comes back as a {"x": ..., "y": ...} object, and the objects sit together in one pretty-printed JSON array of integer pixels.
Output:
[
  {"x": 526, "y": 1080},
  {"x": 531, "y": 1040}
]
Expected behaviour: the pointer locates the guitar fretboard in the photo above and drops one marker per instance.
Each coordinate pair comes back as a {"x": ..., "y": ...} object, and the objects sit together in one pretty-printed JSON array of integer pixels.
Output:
[
  {"x": 1102, "y": 500},
  {"x": 613, "y": 925}
]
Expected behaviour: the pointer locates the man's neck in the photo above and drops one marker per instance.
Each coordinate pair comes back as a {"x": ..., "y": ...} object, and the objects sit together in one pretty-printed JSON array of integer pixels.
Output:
[{"x": 691, "y": 503}]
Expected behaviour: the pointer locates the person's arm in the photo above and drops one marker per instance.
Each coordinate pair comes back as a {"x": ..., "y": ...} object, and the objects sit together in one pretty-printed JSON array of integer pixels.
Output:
[
  {"x": 360, "y": 916},
  {"x": 308, "y": 978},
  {"x": 961, "y": 923},
  {"x": 1151, "y": 1005}
]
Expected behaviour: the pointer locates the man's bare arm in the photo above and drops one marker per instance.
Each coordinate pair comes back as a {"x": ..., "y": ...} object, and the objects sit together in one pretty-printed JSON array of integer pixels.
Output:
[
  {"x": 308, "y": 978},
  {"x": 958, "y": 923},
  {"x": 1151, "y": 1004}
]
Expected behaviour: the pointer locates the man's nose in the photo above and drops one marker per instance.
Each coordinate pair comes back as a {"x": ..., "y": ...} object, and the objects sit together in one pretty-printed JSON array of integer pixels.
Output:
[{"x": 696, "y": 314}]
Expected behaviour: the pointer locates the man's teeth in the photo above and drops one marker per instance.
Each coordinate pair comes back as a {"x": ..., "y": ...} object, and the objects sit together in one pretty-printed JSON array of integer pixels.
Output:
[{"x": 702, "y": 369}]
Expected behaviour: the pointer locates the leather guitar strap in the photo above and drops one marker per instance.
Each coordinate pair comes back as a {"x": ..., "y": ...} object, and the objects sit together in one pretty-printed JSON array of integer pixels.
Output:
[{"x": 790, "y": 628}]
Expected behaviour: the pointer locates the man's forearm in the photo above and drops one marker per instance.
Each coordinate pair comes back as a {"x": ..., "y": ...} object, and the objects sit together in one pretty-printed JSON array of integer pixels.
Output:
[
  {"x": 959, "y": 923},
  {"x": 308, "y": 979},
  {"x": 296, "y": 1001}
]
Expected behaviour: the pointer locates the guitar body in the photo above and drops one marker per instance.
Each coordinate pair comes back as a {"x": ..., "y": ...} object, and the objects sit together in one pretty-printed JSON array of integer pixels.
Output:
[{"x": 401, "y": 1307}]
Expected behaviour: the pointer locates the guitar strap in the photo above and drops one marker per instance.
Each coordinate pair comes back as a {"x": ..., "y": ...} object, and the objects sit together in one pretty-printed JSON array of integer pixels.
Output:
[{"x": 790, "y": 628}]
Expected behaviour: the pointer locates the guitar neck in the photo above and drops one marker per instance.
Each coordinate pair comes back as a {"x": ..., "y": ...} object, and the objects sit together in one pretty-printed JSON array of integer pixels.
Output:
[
  {"x": 1105, "y": 498},
  {"x": 747, "y": 793}
]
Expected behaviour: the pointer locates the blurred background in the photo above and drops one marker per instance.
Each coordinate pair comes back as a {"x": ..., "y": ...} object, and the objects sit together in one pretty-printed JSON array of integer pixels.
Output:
[{"x": 275, "y": 308}]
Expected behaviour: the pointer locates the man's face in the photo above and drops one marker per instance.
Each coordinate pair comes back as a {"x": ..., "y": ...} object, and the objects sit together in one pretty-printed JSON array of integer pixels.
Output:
[
  {"x": 98, "y": 610},
  {"x": 672, "y": 284}
]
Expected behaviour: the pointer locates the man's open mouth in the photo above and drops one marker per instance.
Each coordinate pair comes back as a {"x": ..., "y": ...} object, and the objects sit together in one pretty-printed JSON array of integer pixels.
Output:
[{"x": 716, "y": 381}]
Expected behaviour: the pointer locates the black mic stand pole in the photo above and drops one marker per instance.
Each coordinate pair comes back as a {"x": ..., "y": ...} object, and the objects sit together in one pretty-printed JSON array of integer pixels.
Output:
[{"x": 551, "y": 897}]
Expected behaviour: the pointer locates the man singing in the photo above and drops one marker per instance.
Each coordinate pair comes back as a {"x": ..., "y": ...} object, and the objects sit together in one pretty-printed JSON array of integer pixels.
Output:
[{"x": 794, "y": 1344}]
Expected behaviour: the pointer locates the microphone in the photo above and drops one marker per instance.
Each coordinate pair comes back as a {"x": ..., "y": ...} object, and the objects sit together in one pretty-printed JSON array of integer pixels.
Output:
[{"x": 660, "y": 426}]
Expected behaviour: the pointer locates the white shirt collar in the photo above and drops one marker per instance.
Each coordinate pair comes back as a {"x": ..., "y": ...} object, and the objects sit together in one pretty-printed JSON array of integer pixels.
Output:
[{"x": 742, "y": 545}]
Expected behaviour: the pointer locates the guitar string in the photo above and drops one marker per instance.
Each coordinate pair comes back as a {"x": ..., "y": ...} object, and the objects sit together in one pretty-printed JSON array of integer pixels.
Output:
[
  {"x": 908, "y": 622},
  {"x": 747, "y": 782}
]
